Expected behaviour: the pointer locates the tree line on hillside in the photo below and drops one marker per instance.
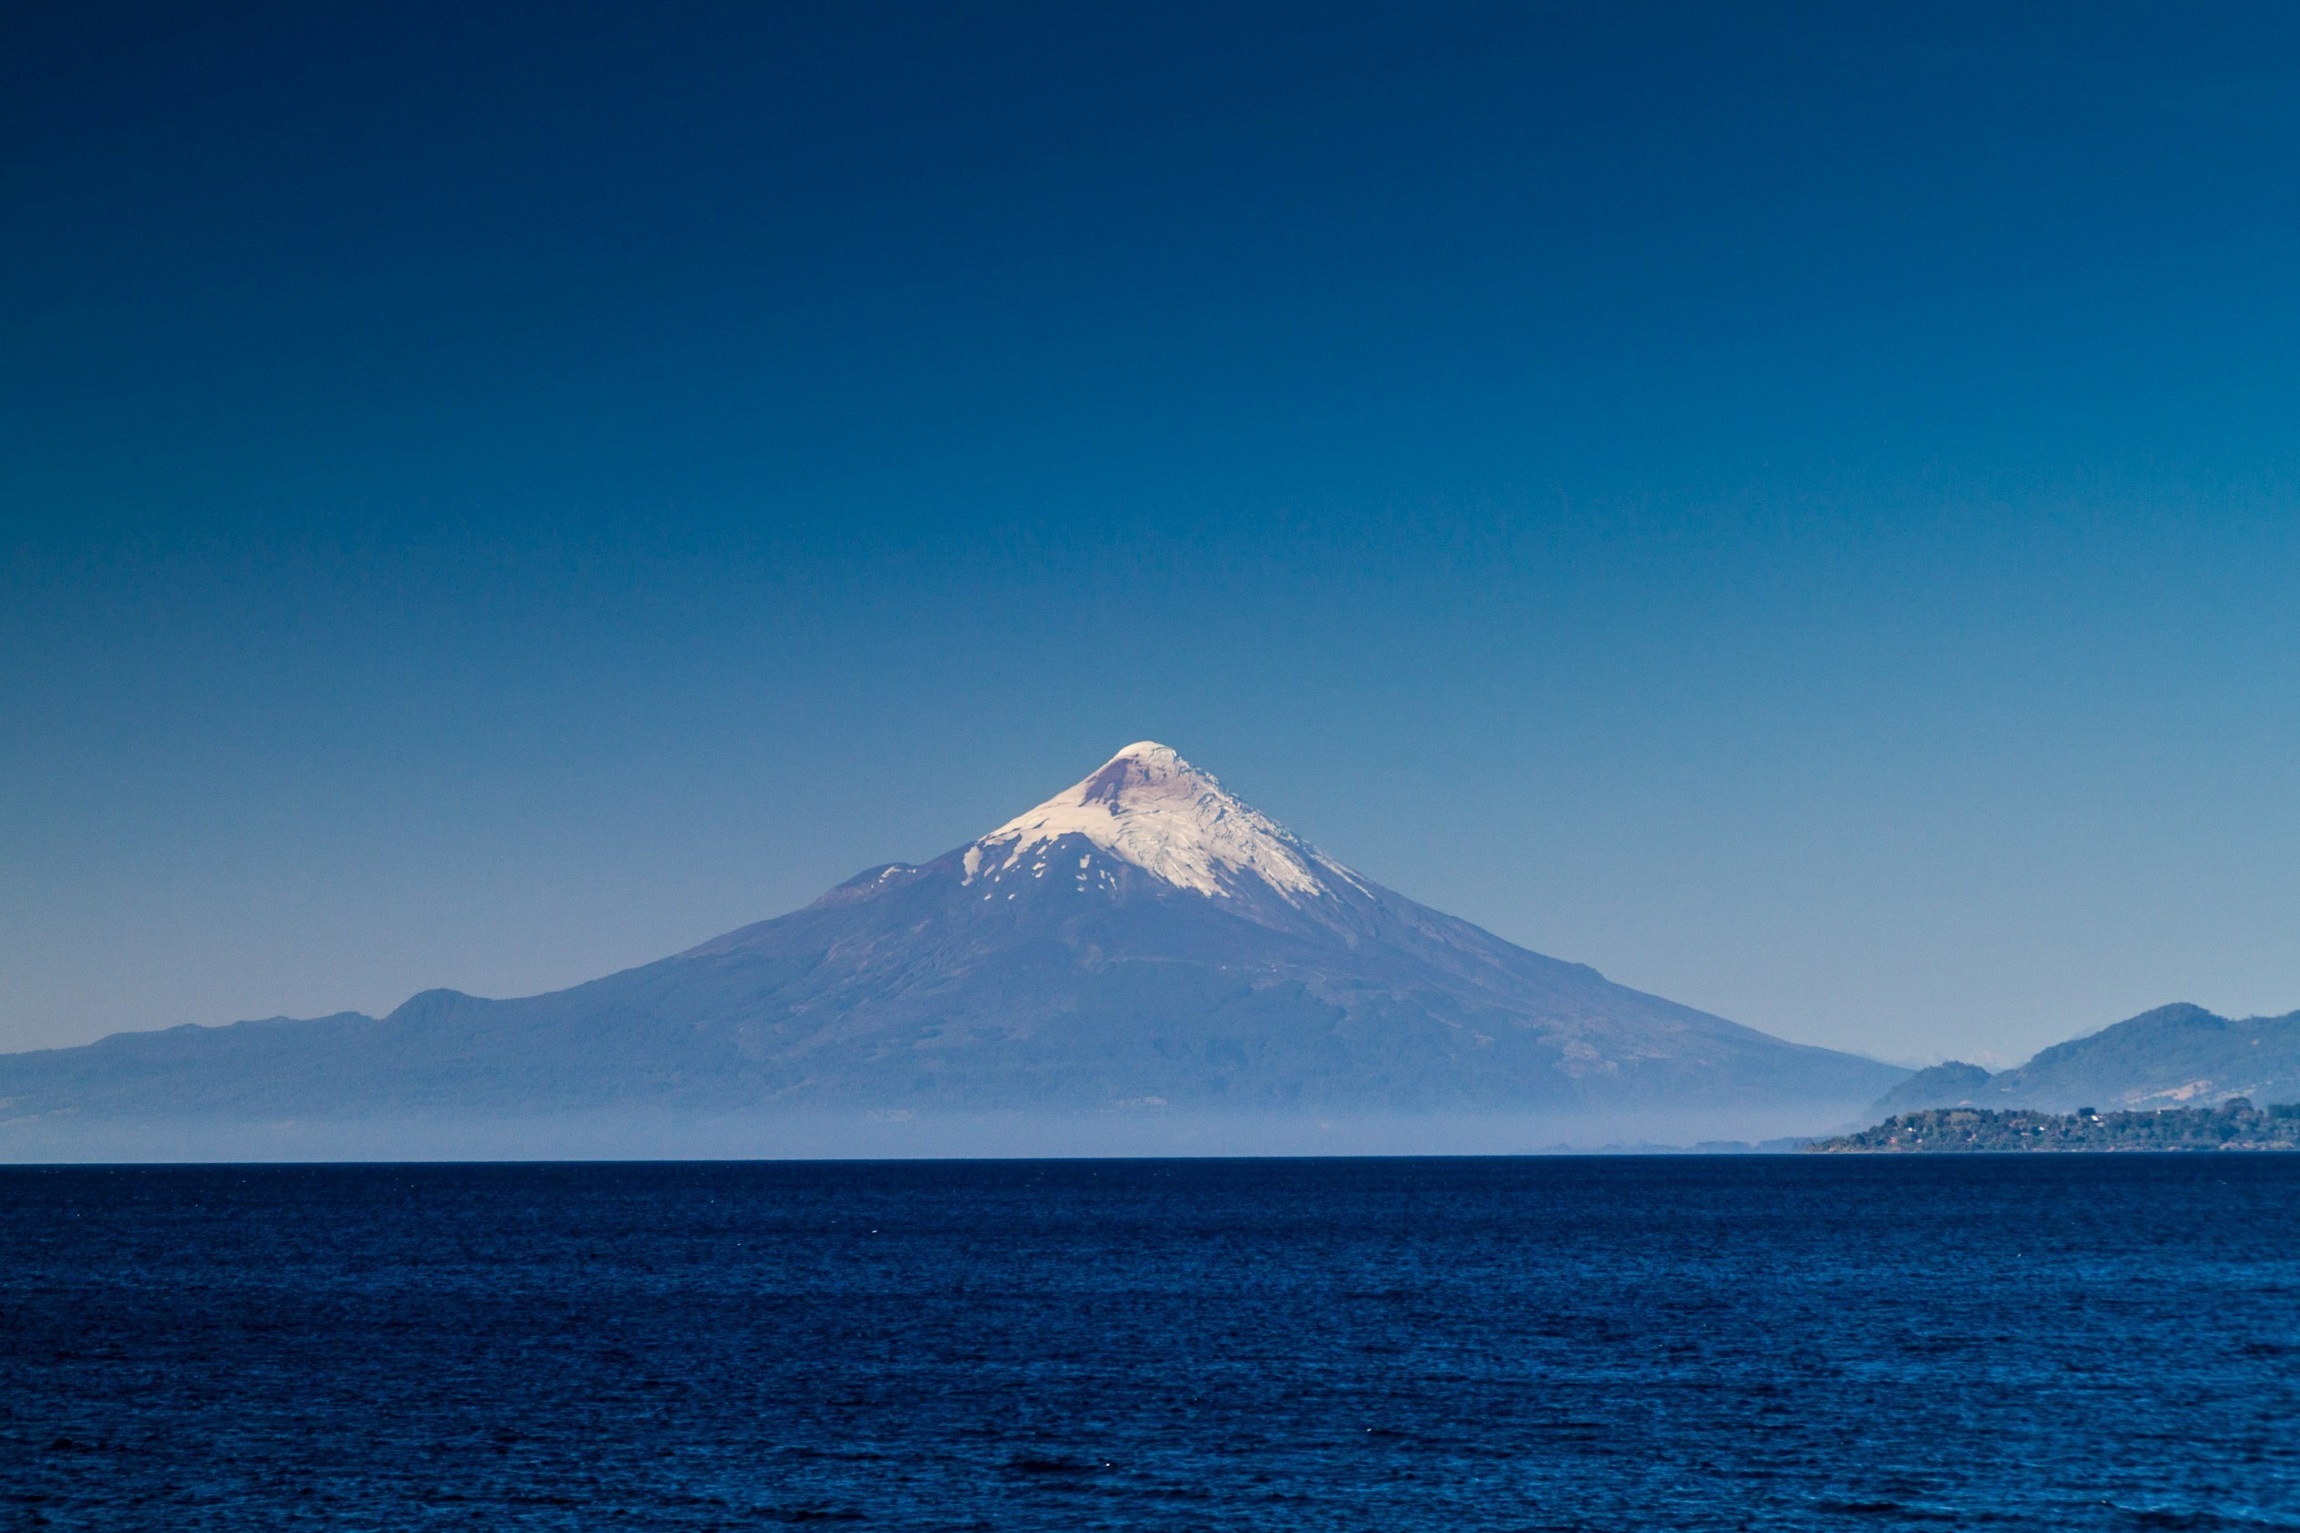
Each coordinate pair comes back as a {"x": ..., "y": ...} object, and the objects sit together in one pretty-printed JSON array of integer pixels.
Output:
[{"x": 2233, "y": 1125}]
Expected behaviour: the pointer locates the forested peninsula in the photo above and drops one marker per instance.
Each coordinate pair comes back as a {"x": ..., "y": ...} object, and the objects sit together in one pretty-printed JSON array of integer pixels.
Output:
[{"x": 2233, "y": 1125}]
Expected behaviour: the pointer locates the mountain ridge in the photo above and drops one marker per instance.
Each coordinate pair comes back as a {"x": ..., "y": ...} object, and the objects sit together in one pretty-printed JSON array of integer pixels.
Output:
[{"x": 2179, "y": 1055}]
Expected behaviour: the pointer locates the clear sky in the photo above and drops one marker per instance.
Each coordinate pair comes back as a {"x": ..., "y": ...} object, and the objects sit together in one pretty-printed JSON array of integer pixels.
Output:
[{"x": 1792, "y": 505}]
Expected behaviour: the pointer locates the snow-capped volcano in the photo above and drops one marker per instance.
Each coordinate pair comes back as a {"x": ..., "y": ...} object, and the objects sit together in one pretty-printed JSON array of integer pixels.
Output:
[
  {"x": 1148, "y": 807},
  {"x": 1142, "y": 937}
]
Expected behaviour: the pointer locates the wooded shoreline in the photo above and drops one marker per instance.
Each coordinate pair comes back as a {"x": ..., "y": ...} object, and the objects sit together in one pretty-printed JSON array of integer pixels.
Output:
[{"x": 2233, "y": 1125}]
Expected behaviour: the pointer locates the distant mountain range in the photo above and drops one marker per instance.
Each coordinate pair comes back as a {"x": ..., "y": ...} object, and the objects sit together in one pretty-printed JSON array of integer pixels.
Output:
[
  {"x": 2174, "y": 1056},
  {"x": 1140, "y": 947},
  {"x": 1141, "y": 943}
]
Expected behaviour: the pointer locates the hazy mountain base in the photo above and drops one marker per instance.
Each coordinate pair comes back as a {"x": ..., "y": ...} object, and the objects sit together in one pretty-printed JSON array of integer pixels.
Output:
[{"x": 893, "y": 1135}]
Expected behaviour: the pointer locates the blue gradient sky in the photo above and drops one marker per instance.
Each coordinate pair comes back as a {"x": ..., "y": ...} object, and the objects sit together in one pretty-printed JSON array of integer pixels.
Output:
[{"x": 1793, "y": 506}]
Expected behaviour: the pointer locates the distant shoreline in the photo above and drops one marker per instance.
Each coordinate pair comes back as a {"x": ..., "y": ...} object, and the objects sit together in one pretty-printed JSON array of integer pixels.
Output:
[{"x": 2233, "y": 1125}]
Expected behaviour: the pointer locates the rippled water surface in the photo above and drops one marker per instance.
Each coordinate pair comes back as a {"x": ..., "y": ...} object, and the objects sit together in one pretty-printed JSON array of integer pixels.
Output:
[{"x": 2062, "y": 1342}]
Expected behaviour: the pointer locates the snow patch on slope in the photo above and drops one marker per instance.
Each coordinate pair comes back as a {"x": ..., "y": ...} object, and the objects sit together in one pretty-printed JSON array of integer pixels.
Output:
[{"x": 1149, "y": 807}]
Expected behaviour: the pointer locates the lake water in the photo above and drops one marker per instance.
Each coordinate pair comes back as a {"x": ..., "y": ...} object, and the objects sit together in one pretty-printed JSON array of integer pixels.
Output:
[{"x": 1605, "y": 1343}]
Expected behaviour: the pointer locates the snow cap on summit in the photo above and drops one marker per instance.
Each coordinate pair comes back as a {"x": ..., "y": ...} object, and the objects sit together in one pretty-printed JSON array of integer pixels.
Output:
[{"x": 1149, "y": 807}]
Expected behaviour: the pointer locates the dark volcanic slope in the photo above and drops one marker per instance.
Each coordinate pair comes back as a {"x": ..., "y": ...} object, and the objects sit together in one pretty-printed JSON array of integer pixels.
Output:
[{"x": 1143, "y": 939}]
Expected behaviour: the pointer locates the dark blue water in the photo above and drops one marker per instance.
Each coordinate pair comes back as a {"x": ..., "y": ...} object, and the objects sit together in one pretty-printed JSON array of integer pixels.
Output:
[{"x": 2049, "y": 1342}]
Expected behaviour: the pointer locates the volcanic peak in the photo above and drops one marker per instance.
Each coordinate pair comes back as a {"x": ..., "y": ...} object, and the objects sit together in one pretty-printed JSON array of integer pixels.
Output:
[{"x": 1149, "y": 807}]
